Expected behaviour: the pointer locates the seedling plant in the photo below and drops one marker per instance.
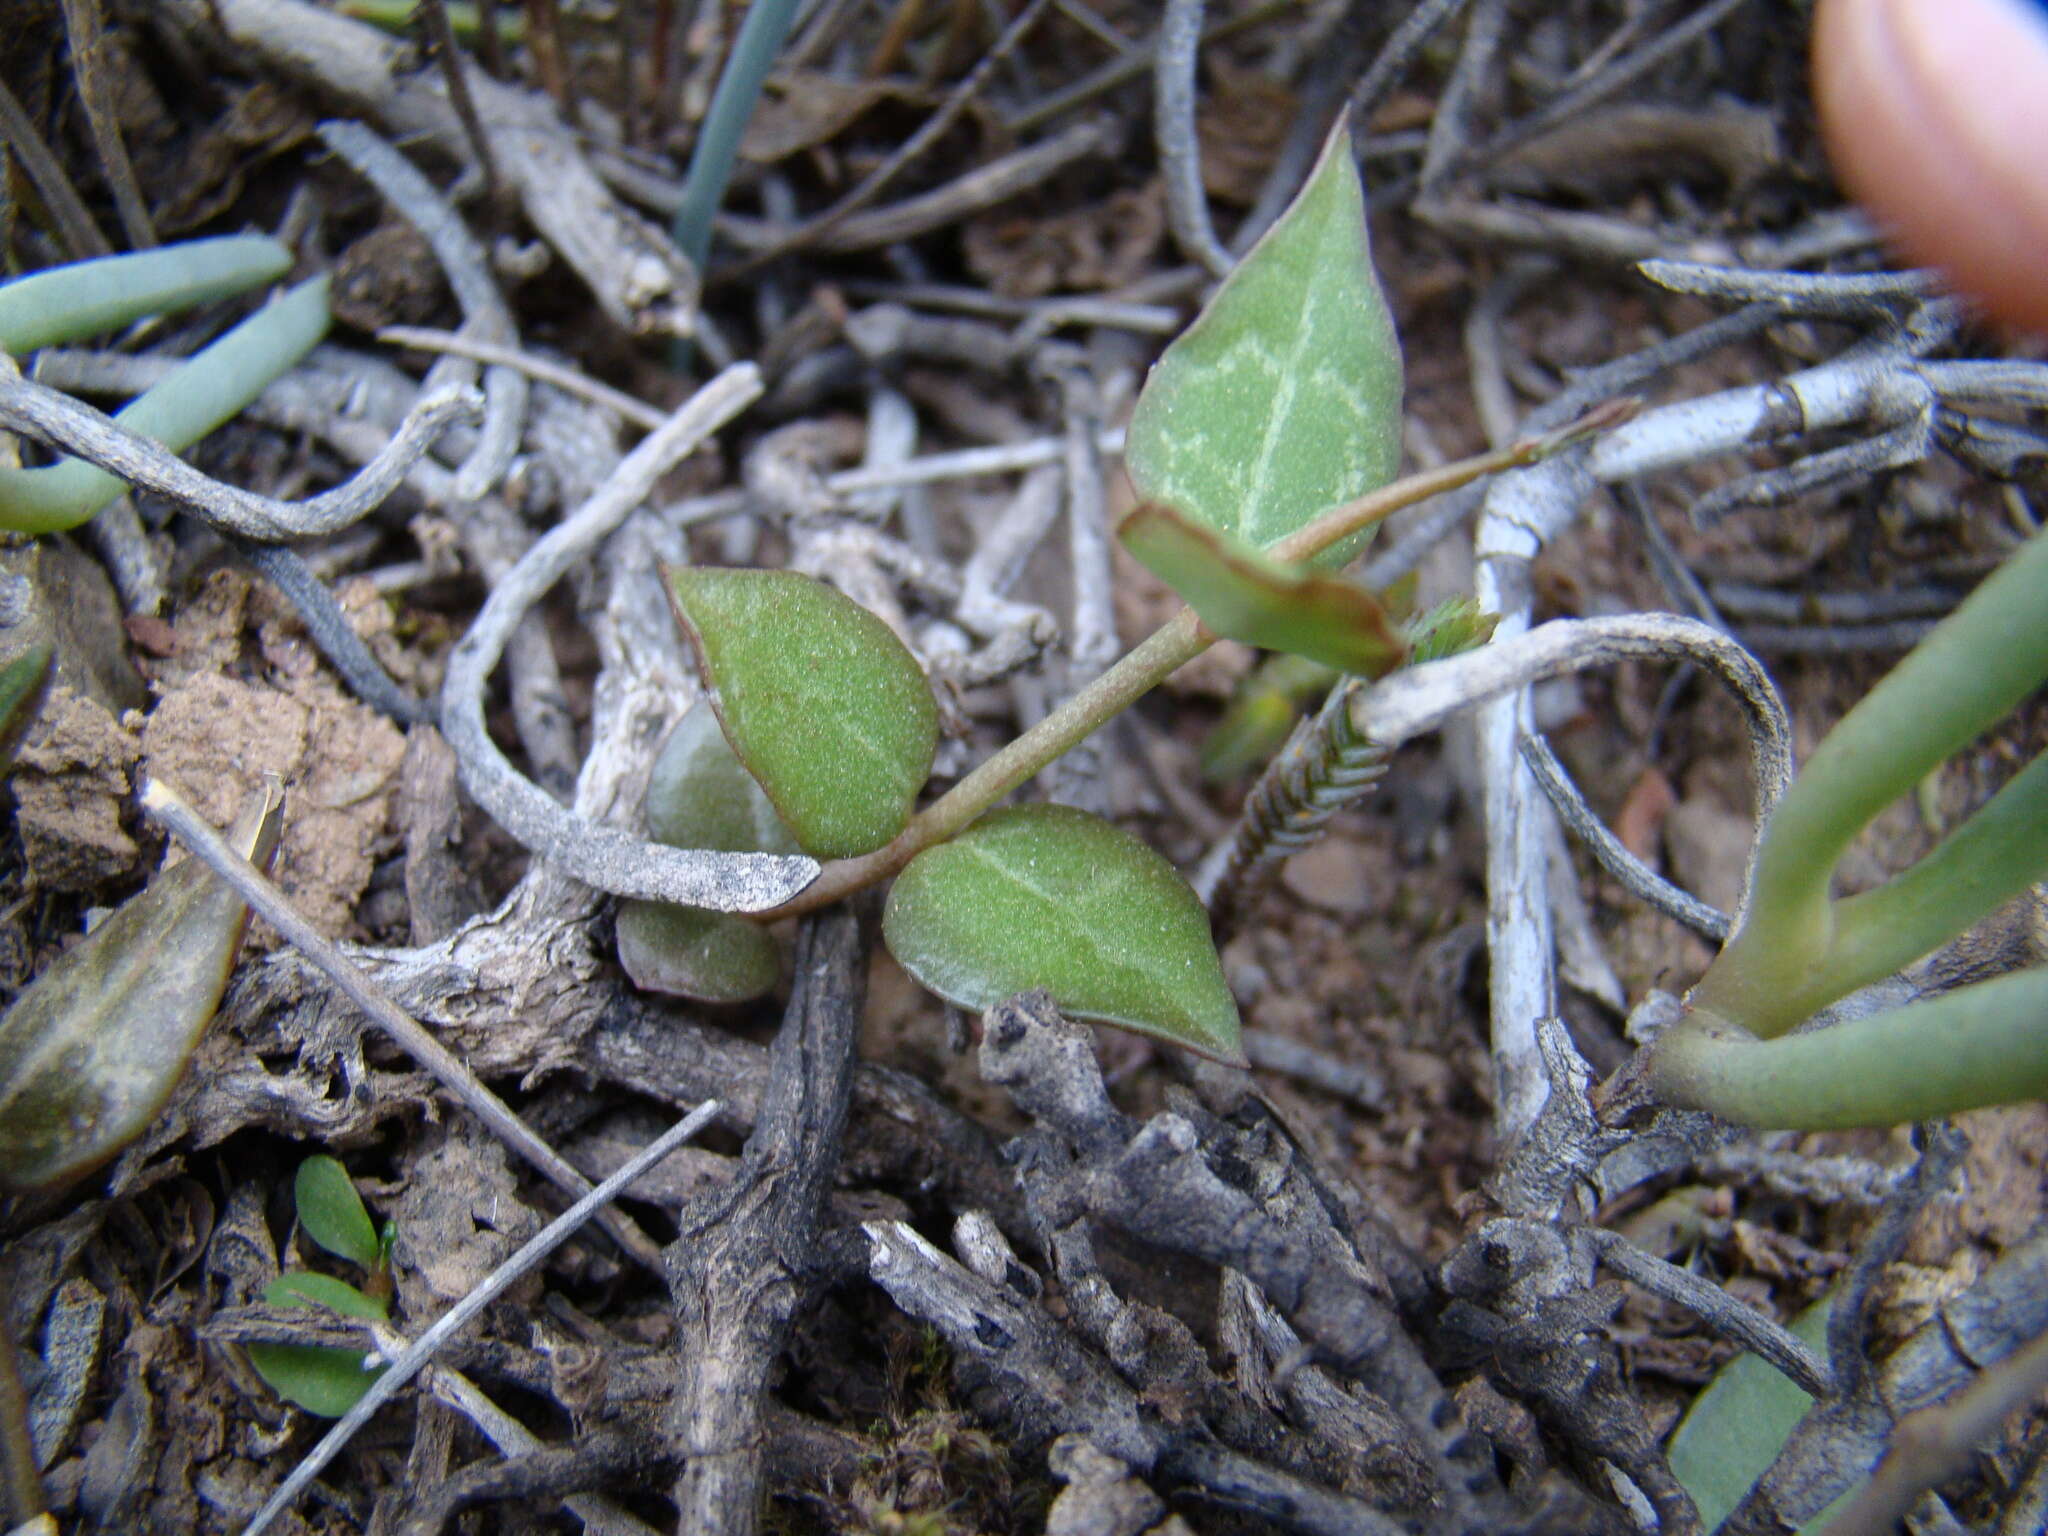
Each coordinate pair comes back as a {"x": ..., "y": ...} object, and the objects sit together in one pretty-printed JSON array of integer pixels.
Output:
[
  {"x": 322, "y": 1378},
  {"x": 1263, "y": 450}
]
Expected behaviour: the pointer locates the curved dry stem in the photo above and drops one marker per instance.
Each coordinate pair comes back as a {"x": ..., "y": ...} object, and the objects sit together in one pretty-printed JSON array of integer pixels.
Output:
[
  {"x": 600, "y": 856},
  {"x": 485, "y": 314},
  {"x": 101, "y": 440}
]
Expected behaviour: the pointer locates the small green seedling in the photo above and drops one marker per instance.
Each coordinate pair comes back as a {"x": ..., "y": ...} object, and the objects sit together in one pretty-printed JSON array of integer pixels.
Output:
[
  {"x": 320, "y": 1378},
  {"x": 1262, "y": 446}
]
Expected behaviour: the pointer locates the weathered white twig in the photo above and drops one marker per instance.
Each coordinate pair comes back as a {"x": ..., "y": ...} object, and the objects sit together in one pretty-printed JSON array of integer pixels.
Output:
[
  {"x": 53, "y": 417},
  {"x": 601, "y": 856},
  {"x": 1173, "y": 130},
  {"x": 569, "y": 380},
  {"x": 633, "y": 269},
  {"x": 485, "y": 314},
  {"x": 1521, "y": 512},
  {"x": 531, "y": 1253}
]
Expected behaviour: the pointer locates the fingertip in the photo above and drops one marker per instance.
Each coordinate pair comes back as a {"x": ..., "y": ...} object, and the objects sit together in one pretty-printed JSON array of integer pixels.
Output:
[{"x": 1935, "y": 113}]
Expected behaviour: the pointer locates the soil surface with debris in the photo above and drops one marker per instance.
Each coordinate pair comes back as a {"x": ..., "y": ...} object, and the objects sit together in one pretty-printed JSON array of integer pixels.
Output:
[{"x": 928, "y": 1273}]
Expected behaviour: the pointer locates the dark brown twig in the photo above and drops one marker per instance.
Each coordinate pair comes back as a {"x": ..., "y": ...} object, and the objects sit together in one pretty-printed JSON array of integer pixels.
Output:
[
  {"x": 441, "y": 39},
  {"x": 74, "y": 225},
  {"x": 745, "y": 1256},
  {"x": 83, "y": 22},
  {"x": 928, "y": 132}
]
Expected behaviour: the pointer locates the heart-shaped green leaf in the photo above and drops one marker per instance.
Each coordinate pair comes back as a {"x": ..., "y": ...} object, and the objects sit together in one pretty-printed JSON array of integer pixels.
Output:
[
  {"x": 1247, "y": 596},
  {"x": 91, "y": 1050},
  {"x": 1048, "y": 896},
  {"x": 698, "y": 796},
  {"x": 823, "y": 704},
  {"x": 1284, "y": 396},
  {"x": 331, "y": 1212}
]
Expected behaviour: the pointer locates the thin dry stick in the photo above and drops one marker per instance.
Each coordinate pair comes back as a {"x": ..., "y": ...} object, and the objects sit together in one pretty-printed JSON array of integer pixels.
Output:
[
  {"x": 1612, "y": 854},
  {"x": 600, "y": 1515},
  {"x": 1852, "y": 295},
  {"x": 530, "y": 1254},
  {"x": 569, "y": 380},
  {"x": 1732, "y": 1319},
  {"x": 1403, "y": 706},
  {"x": 927, "y": 134},
  {"x": 442, "y": 32},
  {"x": 1610, "y": 81},
  {"x": 485, "y": 313},
  {"x": 74, "y": 224},
  {"x": 1134, "y": 62},
  {"x": 56, "y": 418},
  {"x": 95, "y": 91},
  {"x": 166, "y": 805},
  {"x": 1173, "y": 131}
]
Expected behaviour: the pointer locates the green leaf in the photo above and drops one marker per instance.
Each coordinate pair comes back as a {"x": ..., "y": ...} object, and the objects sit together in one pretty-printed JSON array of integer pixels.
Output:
[
  {"x": 1048, "y": 896},
  {"x": 24, "y": 683},
  {"x": 1736, "y": 1427},
  {"x": 698, "y": 796},
  {"x": 319, "y": 1378},
  {"x": 1284, "y": 396},
  {"x": 91, "y": 1050},
  {"x": 821, "y": 701},
  {"x": 1246, "y": 596},
  {"x": 1452, "y": 627},
  {"x": 203, "y": 392},
  {"x": 1261, "y": 713},
  {"x": 86, "y": 298},
  {"x": 711, "y": 957},
  {"x": 331, "y": 1212},
  {"x": 306, "y": 1288}
]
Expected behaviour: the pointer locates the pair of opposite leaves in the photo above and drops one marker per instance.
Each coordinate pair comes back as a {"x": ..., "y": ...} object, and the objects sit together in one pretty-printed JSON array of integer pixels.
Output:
[{"x": 1280, "y": 401}]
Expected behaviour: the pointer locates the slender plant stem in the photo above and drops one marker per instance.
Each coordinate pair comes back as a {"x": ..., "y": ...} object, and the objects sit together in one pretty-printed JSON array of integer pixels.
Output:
[
  {"x": 1975, "y": 1046},
  {"x": 1789, "y": 957},
  {"x": 1175, "y": 643},
  {"x": 739, "y": 86}
]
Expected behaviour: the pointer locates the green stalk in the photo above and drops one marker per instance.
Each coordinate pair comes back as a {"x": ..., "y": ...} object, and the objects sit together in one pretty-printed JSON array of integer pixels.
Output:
[
  {"x": 1986, "y": 1044},
  {"x": 206, "y": 390},
  {"x": 86, "y": 298},
  {"x": 1788, "y": 958},
  {"x": 718, "y": 143}
]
